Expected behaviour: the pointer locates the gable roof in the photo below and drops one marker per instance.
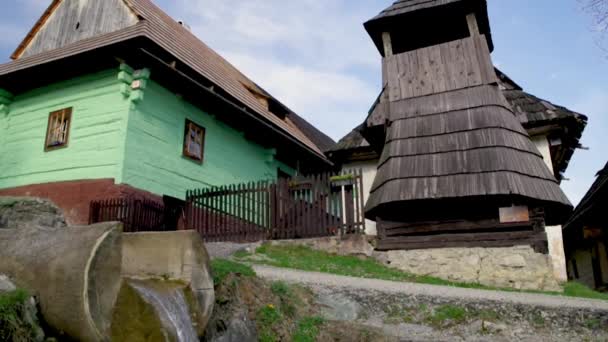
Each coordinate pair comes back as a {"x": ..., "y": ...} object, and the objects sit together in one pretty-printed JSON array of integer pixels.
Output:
[
  {"x": 539, "y": 116},
  {"x": 159, "y": 27},
  {"x": 596, "y": 197}
]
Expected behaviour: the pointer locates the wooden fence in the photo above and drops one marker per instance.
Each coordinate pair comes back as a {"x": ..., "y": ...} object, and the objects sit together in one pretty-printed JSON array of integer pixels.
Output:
[
  {"x": 136, "y": 215},
  {"x": 301, "y": 207}
]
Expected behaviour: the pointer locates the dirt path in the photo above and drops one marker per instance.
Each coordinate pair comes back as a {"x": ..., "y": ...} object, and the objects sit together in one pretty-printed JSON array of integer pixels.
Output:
[{"x": 411, "y": 289}]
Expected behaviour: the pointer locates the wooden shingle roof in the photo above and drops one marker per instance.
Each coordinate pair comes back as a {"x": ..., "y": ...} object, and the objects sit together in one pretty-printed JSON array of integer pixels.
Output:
[
  {"x": 593, "y": 204},
  {"x": 159, "y": 27},
  {"x": 533, "y": 113},
  {"x": 406, "y": 6},
  {"x": 452, "y": 135},
  {"x": 422, "y": 16}
]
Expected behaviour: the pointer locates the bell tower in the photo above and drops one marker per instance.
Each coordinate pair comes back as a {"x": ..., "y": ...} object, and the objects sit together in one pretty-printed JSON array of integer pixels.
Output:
[{"x": 456, "y": 167}]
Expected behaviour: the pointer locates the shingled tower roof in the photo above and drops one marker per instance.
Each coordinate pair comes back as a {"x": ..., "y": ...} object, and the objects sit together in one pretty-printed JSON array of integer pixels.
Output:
[
  {"x": 450, "y": 133},
  {"x": 422, "y": 16}
]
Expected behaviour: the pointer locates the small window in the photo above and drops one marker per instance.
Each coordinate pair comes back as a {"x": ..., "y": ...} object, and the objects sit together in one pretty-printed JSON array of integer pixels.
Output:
[
  {"x": 194, "y": 138},
  {"x": 58, "y": 131}
]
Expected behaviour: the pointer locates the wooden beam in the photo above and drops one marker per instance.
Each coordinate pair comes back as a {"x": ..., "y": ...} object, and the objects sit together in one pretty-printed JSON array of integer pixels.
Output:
[
  {"x": 388, "y": 44},
  {"x": 509, "y": 239},
  {"x": 472, "y": 22},
  {"x": 454, "y": 226}
]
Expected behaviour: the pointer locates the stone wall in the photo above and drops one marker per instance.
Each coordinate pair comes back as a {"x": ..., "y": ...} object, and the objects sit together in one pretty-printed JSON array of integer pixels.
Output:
[
  {"x": 74, "y": 197},
  {"x": 517, "y": 267}
]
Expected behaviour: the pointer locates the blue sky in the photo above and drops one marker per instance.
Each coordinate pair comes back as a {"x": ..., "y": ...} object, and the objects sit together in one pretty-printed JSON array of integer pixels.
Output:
[{"x": 315, "y": 56}]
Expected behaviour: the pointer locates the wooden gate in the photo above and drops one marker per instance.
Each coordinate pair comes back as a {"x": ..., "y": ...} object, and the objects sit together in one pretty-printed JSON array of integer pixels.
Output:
[{"x": 295, "y": 208}]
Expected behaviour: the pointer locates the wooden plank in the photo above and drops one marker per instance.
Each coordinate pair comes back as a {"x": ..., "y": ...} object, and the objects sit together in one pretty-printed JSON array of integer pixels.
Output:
[
  {"x": 466, "y": 237},
  {"x": 387, "y": 43},
  {"x": 384, "y": 245},
  {"x": 514, "y": 214},
  {"x": 362, "y": 202},
  {"x": 405, "y": 76},
  {"x": 472, "y": 65},
  {"x": 425, "y": 75},
  {"x": 394, "y": 90}
]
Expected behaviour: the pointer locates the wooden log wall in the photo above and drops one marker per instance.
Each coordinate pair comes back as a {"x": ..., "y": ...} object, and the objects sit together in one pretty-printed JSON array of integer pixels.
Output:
[{"x": 462, "y": 233}]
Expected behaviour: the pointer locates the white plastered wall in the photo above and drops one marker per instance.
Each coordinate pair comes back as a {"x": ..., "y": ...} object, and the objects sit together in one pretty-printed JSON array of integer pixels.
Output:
[
  {"x": 554, "y": 233},
  {"x": 369, "y": 169}
]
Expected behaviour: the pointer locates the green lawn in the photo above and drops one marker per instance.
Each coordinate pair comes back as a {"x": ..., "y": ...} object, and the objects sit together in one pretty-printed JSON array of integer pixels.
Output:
[
  {"x": 307, "y": 259},
  {"x": 220, "y": 268}
]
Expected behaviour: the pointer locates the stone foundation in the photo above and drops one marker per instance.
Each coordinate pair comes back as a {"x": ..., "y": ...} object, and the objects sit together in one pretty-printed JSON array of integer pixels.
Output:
[
  {"x": 354, "y": 245},
  {"x": 516, "y": 267}
]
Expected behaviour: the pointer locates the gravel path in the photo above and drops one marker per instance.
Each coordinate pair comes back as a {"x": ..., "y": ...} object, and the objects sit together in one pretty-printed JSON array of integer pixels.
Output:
[{"x": 331, "y": 280}]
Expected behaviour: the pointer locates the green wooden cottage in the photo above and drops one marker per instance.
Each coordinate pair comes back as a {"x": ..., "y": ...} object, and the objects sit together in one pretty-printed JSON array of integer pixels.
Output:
[{"x": 114, "y": 98}]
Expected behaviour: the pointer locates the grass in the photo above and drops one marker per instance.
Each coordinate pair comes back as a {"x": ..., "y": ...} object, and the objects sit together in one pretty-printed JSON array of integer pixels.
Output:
[
  {"x": 12, "y": 326},
  {"x": 307, "y": 259},
  {"x": 447, "y": 314},
  {"x": 574, "y": 289},
  {"x": 287, "y": 297},
  {"x": 266, "y": 318},
  {"x": 308, "y": 329},
  {"x": 222, "y": 268},
  {"x": 241, "y": 254}
]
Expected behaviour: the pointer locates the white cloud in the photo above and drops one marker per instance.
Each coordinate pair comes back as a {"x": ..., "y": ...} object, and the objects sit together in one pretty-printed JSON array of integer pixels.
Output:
[
  {"x": 309, "y": 54},
  {"x": 332, "y": 101}
]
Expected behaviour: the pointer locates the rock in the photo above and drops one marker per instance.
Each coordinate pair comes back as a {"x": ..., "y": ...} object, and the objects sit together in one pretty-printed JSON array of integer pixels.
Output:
[
  {"x": 6, "y": 285},
  {"x": 29, "y": 313},
  {"x": 515, "y": 261},
  {"x": 350, "y": 245},
  {"x": 488, "y": 327},
  {"x": 20, "y": 212},
  {"x": 357, "y": 245},
  {"x": 338, "y": 307},
  {"x": 239, "y": 329}
]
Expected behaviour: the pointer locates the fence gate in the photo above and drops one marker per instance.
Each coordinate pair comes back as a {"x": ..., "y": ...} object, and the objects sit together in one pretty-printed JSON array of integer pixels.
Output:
[{"x": 300, "y": 207}]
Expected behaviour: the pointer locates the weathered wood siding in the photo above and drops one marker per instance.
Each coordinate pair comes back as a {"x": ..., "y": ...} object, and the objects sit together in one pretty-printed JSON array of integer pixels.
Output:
[
  {"x": 455, "y": 65},
  {"x": 97, "y": 135},
  {"x": 155, "y": 136},
  {"x": 75, "y": 20},
  {"x": 452, "y": 134}
]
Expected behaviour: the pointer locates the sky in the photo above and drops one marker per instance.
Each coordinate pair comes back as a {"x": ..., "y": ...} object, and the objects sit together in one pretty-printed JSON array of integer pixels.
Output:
[{"x": 315, "y": 57}]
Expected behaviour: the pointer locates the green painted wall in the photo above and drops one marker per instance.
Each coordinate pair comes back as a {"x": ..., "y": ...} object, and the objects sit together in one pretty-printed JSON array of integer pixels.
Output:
[
  {"x": 154, "y": 161},
  {"x": 97, "y": 136},
  {"x": 115, "y": 135}
]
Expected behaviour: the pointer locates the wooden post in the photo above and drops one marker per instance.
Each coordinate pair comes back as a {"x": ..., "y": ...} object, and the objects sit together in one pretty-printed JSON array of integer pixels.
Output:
[
  {"x": 388, "y": 44},
  {"x": 472, "y": 22}
]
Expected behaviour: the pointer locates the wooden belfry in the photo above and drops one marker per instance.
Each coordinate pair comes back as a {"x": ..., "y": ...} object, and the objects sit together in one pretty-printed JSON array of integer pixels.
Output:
[{"x": 457, "y": 169}]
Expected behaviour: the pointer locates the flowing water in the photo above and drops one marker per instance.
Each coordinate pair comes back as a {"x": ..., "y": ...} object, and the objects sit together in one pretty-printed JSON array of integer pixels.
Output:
[{"x": 172, "y": 309}]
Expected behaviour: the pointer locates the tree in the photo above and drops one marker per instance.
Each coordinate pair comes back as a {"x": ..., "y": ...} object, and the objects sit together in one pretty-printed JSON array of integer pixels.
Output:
[{"x": 598, "y": 9}]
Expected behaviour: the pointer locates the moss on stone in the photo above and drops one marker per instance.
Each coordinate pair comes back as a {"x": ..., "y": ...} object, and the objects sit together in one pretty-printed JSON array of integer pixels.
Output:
[{"x": 134, "y": 319}]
